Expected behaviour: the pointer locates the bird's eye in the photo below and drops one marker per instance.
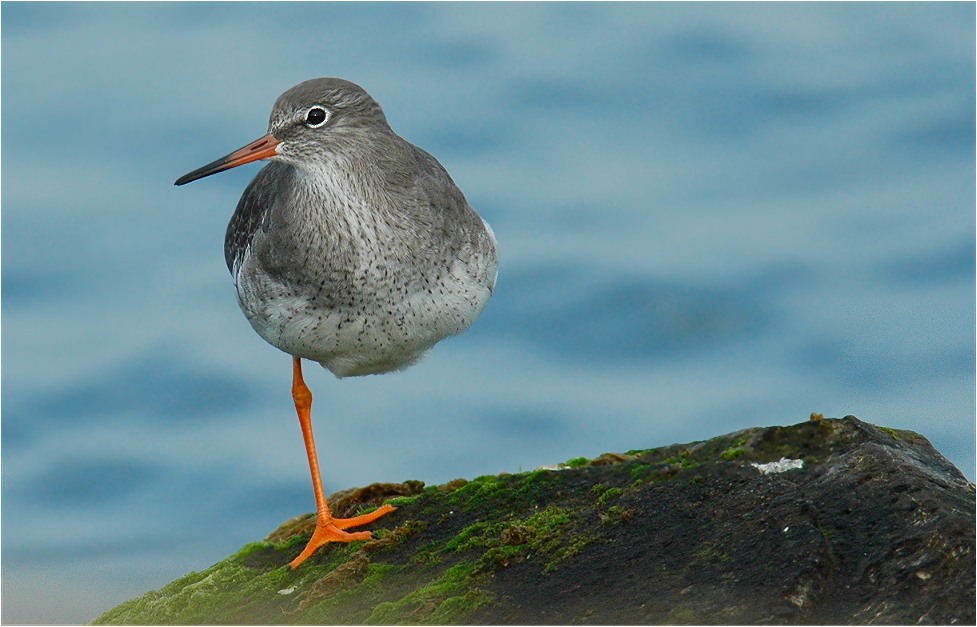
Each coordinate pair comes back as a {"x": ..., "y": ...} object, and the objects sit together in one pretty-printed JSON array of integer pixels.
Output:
[{"x": 316, "y": 117}]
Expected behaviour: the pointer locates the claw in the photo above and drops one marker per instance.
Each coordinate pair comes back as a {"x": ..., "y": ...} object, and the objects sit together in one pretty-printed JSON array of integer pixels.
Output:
[{"x": 332, "y": 530}]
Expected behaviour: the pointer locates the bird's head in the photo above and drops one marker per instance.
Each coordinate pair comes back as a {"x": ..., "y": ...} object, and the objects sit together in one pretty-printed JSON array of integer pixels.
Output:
[{"x": 309, "y": 122}]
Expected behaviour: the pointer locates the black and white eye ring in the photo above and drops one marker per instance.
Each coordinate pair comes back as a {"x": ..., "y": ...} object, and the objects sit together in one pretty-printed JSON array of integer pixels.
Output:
[{"x": 316, "y": 117}]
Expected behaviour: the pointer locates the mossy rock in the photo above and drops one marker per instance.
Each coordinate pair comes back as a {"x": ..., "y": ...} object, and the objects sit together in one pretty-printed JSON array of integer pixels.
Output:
[{"x": 828, "y": 521}]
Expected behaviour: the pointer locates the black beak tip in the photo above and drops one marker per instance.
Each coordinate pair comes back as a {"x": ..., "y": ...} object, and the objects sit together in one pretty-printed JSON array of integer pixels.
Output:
[{"x": 211, "y": 168}]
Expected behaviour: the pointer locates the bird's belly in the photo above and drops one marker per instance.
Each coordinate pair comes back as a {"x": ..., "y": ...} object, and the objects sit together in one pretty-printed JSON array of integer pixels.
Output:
[{"x": 374, "y": 335}]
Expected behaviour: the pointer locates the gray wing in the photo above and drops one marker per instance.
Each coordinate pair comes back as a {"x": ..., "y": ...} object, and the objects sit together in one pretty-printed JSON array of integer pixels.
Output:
[
  {"x": 469, "y": 237},
  {"x": 253, "y": 209}
]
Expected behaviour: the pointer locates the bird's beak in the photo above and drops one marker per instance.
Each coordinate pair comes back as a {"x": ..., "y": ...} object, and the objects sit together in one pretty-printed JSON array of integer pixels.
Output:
[{"x": 261, "y": 148}]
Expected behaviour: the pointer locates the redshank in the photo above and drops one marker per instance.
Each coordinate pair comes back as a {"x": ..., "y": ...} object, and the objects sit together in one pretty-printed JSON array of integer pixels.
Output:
[{"x": 352, "y": 248}]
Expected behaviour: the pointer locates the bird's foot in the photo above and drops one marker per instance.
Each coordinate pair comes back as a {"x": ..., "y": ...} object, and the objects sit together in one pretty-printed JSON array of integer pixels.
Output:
[{"x": 329, "y": 529}]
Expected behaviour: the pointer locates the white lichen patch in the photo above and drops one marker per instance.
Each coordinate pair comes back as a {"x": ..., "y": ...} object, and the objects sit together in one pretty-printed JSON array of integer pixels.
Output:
[
  {"x": 289, "y": 590},
  {"x": 780, "y": 466},
  {"x": 554, "y": 467}
]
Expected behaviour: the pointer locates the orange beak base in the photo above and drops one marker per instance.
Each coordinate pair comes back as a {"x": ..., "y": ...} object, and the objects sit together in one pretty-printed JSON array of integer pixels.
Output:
[{"x": 261, "y": 148}]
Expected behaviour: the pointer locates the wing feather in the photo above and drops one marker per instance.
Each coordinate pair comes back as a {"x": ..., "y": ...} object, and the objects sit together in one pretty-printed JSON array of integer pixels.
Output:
[{"x": 256, "y": 204}]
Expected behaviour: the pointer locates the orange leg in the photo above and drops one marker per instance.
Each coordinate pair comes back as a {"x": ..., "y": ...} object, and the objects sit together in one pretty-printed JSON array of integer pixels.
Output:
[{"x": 327, "y": 528}]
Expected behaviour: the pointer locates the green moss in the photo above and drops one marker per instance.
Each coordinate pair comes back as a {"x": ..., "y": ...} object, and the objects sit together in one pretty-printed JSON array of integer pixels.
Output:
[
  {"x": 615, "y": 513},
  {"x": 539, "y": 474},
  {"x": 638, "y": 471},
  {"x": 510, "y": 541},
  {"x": 504, "y": 542},
  {"x": 893, "y": 433},
  {"x": 575, "y": 548},
  {"x": 683, "y": 461},
  {"x": 479, "y": 492},
  {"x": 376, "y": 572},
  {"x": 229, "y": 590},
  {"x": 486, "y": 496},
  {"x": 611, "y": 493},
  {"x": 500, "y": 556},
  {"x": 427, "y": 604},
  {"x": 732, "y": 453},
  {"x": 400, "y": 501},
  {"x": 454, "y": 609},
  {"x": 669, "y": 466},
  {"x": 250, "y": 548},
  {"x": 549, "y": 518},
  {"x": 480, "y": 534}
]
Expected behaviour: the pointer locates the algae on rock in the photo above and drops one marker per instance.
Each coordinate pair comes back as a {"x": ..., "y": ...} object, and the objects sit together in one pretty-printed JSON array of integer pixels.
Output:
[{"x": 874, "y": 526}]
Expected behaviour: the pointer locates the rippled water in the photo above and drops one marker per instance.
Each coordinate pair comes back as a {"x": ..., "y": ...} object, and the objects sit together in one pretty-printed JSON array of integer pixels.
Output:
[{"x": 711, "y": 217}]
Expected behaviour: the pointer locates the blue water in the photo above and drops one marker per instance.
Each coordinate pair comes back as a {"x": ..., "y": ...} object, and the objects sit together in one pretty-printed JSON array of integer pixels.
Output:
[{"x": 711, "y": 217}]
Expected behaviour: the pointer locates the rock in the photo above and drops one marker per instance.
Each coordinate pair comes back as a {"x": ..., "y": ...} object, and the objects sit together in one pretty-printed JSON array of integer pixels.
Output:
[{"x": 828, "y": 521}]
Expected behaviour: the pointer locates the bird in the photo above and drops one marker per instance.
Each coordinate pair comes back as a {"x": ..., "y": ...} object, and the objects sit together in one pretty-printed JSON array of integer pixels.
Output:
[{"x": 352, "y": 248}]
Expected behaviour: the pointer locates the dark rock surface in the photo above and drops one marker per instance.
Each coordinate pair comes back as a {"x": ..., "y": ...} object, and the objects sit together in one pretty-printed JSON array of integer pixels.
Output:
[{"x": 827, "y": 522}]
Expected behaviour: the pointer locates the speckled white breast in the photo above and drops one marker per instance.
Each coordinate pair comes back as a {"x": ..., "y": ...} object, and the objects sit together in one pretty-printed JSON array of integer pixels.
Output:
[{"x": 393, "y": 331}]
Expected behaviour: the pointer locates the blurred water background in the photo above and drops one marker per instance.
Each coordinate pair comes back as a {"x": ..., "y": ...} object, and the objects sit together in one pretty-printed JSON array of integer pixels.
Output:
[{"x": 711, "y": 217}]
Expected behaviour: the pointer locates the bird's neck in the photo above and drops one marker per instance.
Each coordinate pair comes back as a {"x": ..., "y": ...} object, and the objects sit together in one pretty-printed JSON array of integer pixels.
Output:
[
  {"x": 344, "y": 203},
  {"x": 342, "y": 184}
]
